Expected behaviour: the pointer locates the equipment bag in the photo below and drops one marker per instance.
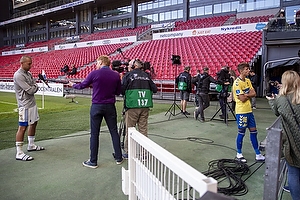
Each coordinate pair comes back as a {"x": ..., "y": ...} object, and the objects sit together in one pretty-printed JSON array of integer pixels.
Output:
[
  {"x": 182, "y": 85},
  {"x": 138, "y": 98},
  {"x": 219, "y": 88}
]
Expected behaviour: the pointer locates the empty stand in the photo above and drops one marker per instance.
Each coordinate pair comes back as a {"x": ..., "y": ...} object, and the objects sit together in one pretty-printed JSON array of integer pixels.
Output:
[
  {"x": 51, "y": 62},
  {"x": 256, "y": 19},
  {"x": 201, "y": 23},
  {"x": 211, "y": 51},
  {"x": 115, "y": 33}
]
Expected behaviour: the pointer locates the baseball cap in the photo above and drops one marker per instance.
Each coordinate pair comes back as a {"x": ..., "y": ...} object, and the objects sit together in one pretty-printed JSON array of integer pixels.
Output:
[
  {"x": 205, "y": 68},
  {"x": 187, "y": 68}
]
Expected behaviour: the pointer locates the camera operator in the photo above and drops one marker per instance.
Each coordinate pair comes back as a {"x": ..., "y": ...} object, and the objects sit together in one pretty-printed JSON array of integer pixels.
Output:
[
  {"x": 254, "y": 82},
  {"x": 203, "y": 82},
  {"x": 194, "y": 80},
  {"x": 223, "y": 78},
  {"x": 184, "y": 82},
  {"x": 137, "y": 88}
]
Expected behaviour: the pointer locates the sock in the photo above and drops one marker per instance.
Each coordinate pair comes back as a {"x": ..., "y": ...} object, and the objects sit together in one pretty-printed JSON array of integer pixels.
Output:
[
  {"x": 239, "y": 140},
  {"x": 253, "y": 138},
  {"x": 31, "y": 141},
  {"x": 19, "y": 146}
]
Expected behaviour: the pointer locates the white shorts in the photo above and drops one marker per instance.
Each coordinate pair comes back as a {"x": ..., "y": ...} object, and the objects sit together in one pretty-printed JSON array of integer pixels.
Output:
[{"x": 28, "y": 116}]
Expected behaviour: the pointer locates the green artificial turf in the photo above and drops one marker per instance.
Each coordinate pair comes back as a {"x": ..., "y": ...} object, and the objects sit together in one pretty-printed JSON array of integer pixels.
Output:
[{"x": 59, "y": 117}]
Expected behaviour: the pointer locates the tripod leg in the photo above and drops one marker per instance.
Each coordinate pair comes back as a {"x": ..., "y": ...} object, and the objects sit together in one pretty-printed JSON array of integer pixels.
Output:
[
  {"x": 232, "y": 112},
  {"x": 216, "y": 113}
]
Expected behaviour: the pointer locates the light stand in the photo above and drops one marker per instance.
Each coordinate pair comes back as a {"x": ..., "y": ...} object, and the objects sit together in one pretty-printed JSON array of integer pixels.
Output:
[
  {"x": 226, "y": 105},
  {"x": 175, "y": 61}
]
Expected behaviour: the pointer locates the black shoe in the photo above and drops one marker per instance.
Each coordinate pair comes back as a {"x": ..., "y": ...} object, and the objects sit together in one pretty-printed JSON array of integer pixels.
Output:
[
  {"x": 186, "y": 113},
  {"x": 222, "y": 116},
  {"x": 195, "y": 115}
]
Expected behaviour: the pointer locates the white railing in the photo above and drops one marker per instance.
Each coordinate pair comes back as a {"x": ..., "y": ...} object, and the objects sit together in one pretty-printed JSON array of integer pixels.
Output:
[{"x": 156, "y": 174}]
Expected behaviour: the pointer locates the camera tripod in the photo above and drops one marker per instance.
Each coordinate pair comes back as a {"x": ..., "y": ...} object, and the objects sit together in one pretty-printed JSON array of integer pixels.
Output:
[
  {"x": 171, "y": 110},
  {"x": 226, "y": 106},
  {"x": 122, "y": 130}
]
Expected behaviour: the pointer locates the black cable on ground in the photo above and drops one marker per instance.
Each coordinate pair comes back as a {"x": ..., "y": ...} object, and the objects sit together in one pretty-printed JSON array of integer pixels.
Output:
[
  {"x": 232, "y": 171},
  {"x": 195, "y": 139}
]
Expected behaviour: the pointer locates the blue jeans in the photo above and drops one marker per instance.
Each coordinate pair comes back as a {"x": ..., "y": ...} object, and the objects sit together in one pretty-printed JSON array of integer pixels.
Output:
[
  {"x": 294, "y": 181},
  {"x": 108, "y": 111}
]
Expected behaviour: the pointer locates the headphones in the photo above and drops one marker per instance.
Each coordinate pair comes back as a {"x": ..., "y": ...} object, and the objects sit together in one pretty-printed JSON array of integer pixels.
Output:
[{"x": 132, "y": 67}]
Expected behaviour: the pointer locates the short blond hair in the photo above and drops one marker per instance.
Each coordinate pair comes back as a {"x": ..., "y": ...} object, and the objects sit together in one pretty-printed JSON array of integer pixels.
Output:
[{"x": 105, "y": 59}]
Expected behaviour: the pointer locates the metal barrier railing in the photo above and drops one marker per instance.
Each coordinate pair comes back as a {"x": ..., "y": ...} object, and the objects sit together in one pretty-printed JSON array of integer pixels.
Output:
[
  {"x": 155, "y": 173},
  {"x": 275, "y": 170}
]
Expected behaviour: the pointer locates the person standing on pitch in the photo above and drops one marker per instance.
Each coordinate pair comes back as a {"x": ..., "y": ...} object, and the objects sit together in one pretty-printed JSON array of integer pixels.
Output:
[
  {"x": 242, "y": 92},
  {"x": 203, "y": 83},
  {"x": 137, "y": 88},
  {"x": 106, "y": 84},
  {"x": 223, "y": 78},
  {"x": 254, "y": 82},
  {"x": 184, "y": 82},
  {"x": 25, "y": 88}
]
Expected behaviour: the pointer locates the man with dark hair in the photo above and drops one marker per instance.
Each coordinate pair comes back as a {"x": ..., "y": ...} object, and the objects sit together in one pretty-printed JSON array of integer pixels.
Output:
[
  {"x": 203, "y": 83},
  {"x": 65, "y": 69},
  {"x": 194, "y": 79},
  {"x": 73, "y": 70},
  {"x": 106, "y": 84},
  {"x": 137, "y": 88},
  {"x": 223, "y": 78},
  {"x": 184, "y": 82},
  {"x": 25, "y": 88},
  {"x": 242, "y": 92}
]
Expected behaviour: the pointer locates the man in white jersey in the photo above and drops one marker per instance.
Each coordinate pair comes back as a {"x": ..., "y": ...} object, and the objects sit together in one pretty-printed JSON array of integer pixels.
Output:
[{"x": 25, "y": 87}]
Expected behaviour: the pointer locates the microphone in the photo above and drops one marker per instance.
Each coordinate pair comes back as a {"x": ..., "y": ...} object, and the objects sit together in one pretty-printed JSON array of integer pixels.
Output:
[{"x": 41, "y": 77}]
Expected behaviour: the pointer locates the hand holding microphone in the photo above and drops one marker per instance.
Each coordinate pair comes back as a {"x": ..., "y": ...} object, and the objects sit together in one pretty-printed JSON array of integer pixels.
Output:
[
  {"x": 41, "y": 77},
  {"x": 70, "y": 84}
]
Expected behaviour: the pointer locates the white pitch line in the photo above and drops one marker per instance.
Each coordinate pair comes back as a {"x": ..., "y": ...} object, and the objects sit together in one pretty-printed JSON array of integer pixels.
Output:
[
  {"x": 8, "y": 103},
  {"x": 7, "y": 112},
  {"x": 15, "y": 110}
]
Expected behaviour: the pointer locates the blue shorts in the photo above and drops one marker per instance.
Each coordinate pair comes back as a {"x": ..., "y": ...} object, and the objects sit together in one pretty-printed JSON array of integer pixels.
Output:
[{"x": 245, "y": 120}]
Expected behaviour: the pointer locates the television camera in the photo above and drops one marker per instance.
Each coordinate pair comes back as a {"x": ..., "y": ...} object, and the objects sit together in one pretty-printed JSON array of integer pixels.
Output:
[{"x": 122, "y": 66}]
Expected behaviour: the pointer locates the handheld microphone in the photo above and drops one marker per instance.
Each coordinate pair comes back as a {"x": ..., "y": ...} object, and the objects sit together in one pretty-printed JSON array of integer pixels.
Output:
[{"x": 41, "y": 77}]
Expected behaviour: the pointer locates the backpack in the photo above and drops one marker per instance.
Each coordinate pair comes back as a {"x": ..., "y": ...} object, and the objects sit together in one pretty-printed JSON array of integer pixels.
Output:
[
  {"x": 200, "y": 82},
  {"x": 182, "y": 83}
]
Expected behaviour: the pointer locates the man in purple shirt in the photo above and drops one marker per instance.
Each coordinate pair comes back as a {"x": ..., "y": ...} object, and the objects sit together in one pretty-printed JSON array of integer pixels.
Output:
[{"x": 106, "y": 84}]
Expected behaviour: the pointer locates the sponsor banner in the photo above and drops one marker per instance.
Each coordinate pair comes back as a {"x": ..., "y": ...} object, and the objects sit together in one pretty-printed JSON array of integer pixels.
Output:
[
  {"x": 25, "y": 51},
  {"x": 69, "y": 5},
  {"x": 20, "y": 45},
  {"x": 163, "y": 25},
  {"x": 55, "y": 89},
  {"x": 211, "y": 31},
  {"x": 72, "y": 38},
  {"x": 96, "y": 43}
]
